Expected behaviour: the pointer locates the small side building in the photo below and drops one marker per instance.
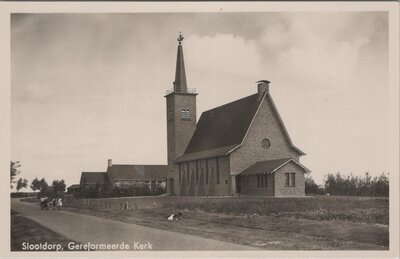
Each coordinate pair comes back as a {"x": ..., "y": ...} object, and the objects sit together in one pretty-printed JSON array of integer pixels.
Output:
[
  {"x": 74, "y": 189},
  {"x": 124, "y": 177},
  {"x": 94, "y": 180}
]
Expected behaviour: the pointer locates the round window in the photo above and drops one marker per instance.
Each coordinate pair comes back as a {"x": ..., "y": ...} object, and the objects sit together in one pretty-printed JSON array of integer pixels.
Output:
[{"x": 265, "y": 143}]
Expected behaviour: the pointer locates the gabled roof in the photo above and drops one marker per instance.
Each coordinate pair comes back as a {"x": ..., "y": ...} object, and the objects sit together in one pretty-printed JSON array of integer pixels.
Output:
[
  {"x": 94, "y": 178},
  {"x": 269, "y": 166},
  {"x": 276, "y": 112},
  {"x": 137, "y": 172},
  {"x": 224, "y": 126},
  {"x": 74, "y": 186},
  {"x": 221, "y": 130}
]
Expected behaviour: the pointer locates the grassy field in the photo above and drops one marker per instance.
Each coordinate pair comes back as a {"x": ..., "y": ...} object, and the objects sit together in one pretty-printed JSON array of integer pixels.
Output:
[
  {"x": 312, "y": 223},
  {"x": 368, "y": 210},
  {"x": 24, "y": 230}
]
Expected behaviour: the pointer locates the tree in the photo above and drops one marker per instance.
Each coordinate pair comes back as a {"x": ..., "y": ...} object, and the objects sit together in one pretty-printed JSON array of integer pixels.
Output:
[
  {"x": 43, "y": 183},
  {"x": 58, "y": 187},
  {"x": 14, "y": 165},
  {"x": 360, "y": 186},
  {"x": 22, "y": 183},
  {"x": 44, "y": 188},
  {"x": 311, "y": 187},
  {"x": 36, "y": 184}
]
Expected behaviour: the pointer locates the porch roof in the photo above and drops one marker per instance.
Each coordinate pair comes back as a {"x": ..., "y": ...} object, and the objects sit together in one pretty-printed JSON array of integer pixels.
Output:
[{"x": 269, "y": 166}]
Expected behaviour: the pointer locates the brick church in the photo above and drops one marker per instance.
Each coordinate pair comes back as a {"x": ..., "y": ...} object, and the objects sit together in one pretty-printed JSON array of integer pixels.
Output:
[{"x": 241, "y": 147}]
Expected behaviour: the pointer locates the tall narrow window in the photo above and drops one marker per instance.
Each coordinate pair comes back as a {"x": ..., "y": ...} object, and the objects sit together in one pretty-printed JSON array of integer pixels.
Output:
[
  {"x": 262, "y": 180},
  {"x": 217, "y": 170},
  {"x": 287, "y": 177},
  {"x": 206, "y": 171},
  {"x": 293, "y": 176},
  {"x": 180, "y": 174},
  {"x": 197, "y": 172},
  {"x": 187, "y": 173}
]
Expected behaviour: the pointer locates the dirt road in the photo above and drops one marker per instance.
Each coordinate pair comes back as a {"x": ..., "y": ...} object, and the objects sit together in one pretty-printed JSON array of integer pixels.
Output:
[{"x": 85, "y": 228}]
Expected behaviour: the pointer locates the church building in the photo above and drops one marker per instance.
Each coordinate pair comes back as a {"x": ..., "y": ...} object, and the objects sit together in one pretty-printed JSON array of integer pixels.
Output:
[{"x": 240, "y": 148}]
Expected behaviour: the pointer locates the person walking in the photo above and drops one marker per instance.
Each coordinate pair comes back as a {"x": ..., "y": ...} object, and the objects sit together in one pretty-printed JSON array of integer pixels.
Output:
[
  {"x": 59, "y": 203},
  {"x": 54, "y": 203}
]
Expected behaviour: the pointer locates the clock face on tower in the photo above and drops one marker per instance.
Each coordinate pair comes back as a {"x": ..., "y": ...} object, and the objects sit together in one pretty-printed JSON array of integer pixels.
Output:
[{"x": 265, "y": 143}]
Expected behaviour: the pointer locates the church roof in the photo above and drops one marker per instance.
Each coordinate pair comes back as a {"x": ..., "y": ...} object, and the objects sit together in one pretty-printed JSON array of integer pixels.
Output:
[
  {"x": 216, "y": 152},
  {"x": 224, "y": 126},
  {"x": 94, "y": 178},
  {"x": 137, "y": 172},
  {"x": 222, "y": 129},
  {"x": 269, "y": 166}
]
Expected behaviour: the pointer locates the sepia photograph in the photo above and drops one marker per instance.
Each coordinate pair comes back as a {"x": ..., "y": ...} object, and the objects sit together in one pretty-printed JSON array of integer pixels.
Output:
[{"x": 202, "y": 131}]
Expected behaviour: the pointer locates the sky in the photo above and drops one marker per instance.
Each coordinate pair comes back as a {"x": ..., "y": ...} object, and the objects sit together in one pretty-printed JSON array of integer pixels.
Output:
[{"x": 90, "y": 87}]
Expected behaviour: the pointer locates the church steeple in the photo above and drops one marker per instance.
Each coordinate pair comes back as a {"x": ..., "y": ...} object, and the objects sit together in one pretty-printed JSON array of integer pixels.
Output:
[
  {"x": 181, "y": 111},
  {"x": 180, "y": 85}
]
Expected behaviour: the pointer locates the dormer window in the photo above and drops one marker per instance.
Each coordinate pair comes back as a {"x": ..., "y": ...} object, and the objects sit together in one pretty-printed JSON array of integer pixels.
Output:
[{"x": 185, "y": 114}]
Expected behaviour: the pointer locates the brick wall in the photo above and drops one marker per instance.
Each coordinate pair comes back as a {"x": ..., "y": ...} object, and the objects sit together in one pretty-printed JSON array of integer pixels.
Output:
[
  {"x": 249, "y": 186},
  {"x": 204, "y": 182},
  {"x": 265, "y": 125},
  {"x": 281, "y": 189},
  {"x": 179, "y": 132}
]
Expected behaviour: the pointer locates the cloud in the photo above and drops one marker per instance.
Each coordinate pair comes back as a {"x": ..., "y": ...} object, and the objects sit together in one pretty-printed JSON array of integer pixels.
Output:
[
  {"x": 36, "y": 92},
  {"x": 313, "y": 48},
  {"x": 224, "y": 53}
]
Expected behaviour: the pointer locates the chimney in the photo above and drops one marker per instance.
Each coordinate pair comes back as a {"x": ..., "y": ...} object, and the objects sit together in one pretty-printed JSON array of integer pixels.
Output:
[
  {"x": 109, "y": 162},
  {"x": 262, "y": 87}
]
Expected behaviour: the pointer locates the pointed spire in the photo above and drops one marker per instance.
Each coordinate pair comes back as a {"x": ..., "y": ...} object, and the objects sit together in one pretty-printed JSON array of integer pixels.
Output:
[{"x": 180, "y": 85}]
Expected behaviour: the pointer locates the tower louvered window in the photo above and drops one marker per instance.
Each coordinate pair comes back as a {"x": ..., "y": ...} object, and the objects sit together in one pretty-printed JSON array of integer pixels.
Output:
[{"x": 185, "y": 114}]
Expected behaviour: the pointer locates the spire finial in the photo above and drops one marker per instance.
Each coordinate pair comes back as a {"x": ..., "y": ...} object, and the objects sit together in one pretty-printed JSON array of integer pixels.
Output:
[
  {"x": 180, "y": 75},
  {"x": 180, "y": 38}
]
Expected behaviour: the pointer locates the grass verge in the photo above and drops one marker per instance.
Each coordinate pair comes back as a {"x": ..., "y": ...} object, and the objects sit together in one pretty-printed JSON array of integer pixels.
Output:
[{"x": 266, "y": 232}]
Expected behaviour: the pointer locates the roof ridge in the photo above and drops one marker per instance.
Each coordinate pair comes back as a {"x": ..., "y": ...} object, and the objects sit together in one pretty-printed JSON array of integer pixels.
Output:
[
  {"x": 226, "y": 104},
  {"x": 270, "y": 166},
  {"x": 273, "y": 160}
]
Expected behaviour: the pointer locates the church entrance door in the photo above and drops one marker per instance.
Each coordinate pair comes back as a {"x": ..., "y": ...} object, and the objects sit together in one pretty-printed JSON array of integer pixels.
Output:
[{"x": 238, "y": 186}]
